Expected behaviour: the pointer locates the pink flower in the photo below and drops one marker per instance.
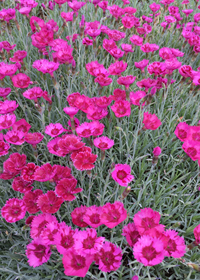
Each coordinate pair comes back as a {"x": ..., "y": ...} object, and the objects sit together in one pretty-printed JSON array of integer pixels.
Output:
[
  {"x": 28, "y": 172},
  {"x": 30, "y": 199},
  {"x": 7, "y": 69},
  {"x": 69, "y": 143},
  {"x": 122, "y": 174},
  {"x": 116, "y": 53},
  {"x": 197, "y": 234},
  {"x": 49, "y": 233},
  {"x": 18, "y": 56},
  {"x": 151, "y": 121},
  {"x": 15, "y": 163},
  {"x": 4, "y": 147},
  {"x": 85, "y": 130},
  {"x": 14, "y": 210},
  {"x": 84, "y": 161},
  {"x": 103, "y": 81},
  {"x": 154, "y": 7},
  {"x": 87, "y": 243},
  {"x": 20, "y": 185},
  {"x": 4, "y": 92},
  {"x": 71, "y": 111},
  {"x": 54, "y": 129},
  {"x": 64, "y": 238},
  {"x": 109, "y": 44},
  {"x": 157, "y": 151},
  {"x": 194, "y": 133},
  {"x": 33, "y": 138},
  {"x": 33, "y": 93},
  {"x": 38, "y": 252},
  {"x": 103, "y": 143},
  {"x": 149, "y": 250},
  {"x": 126, "y": 81},
  {"x": 119, "y": 94},
  {"x": 117, "y": 68},
  {"x": 7, "y": 120},
  {"x": 44, "y": 173},
  {"x": 182, "y": 131},
  {"x": 39, "y": 223},
  {"x": 147, "y": 221},
  {"x": 7, "y": 14},
  {"x": 103, "y": 101},
  {"x": 86, "y": 41},
  {"x": 175, "y": 246},
  {"x": 21, "y": 80},
  {"x": 92, "y": 216},
  {"x": 66, "y": 188},
  {"x": 192, "y": 149},
  {"x": 54, "y": 148},
  {"x": 135, "y": 97},
  {"x": 91, "y": 67},
  {"x": 8, "y": 106},
  {"x": 49, "y": 202},
  {"x": 149, "y": 48},
  {"x": 131, "y": 233},
  {"x": 61, "y": 172},
  {"x": 121, "y": 108},
  {"x": 109, "y": 257},
  {"x": 75, "y": 264},
  {"x": 78, "y": 216},
  {"x": 141, "y": 64},
  {"x": 45, "y": 66},
  {"x": 156, "y": 68},
  {"x": 113, "y": 214},
  {"x": 6, "y": 46},
  {"x": 14, "y": 137},
  {"x": 67, "y": 16},
  {"x": 22, "y": 126}
]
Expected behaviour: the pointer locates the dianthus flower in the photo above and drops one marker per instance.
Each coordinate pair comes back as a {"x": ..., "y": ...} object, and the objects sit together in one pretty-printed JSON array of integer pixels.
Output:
[
  {"x": 75, "y": 264},
  {"x": 71, "y": 111},
  {"x": 149, "y": 250},
  {"x": 4, "y": 147},
  {"x": 22, "y": 126},
  {"x": 38, "y": 252},
  {"x": 192, "y": 149},
  {"x": 21, "y": 80},
  {"x": 122, "y": 174},
  {"x": 115, "y": 11},
  {"x": 174, "y": 245},
  {"x": 15, "y": 163},
  {"x": 39, "y": 223},
  {"x": 182, "y": 131},
  {"x": 84, "y": 161},
  {"x": 92, "y": 66},
  {"x": 142, "y": 64},
  {"x": 33, "y": 93},
  {"x": 196, "y": 232},
  {"x": 147, "y": 221},
  {"x": 48, "y": 234},
  {"x": 116, "y": 53},
  {"x": 117, "y": 68},
  {"x": 113, "y": 214},
  {"x": 14, "y": 210},
  {"x": 67, "y": 16},
  {"x": 44, "y": 173},
  {"x": 49, "y": 202},
  {"x": 87, "y": 243},
  {"x": 75, "y": 5},
  {"x": 20, "y": 185},
  {"x": 121, "y": 108},
  {"x": 70, "y": 143},
  {"x": 119, "y": 94},
  {"x": 157, "y": 151},
  {"x": 45, "y": 66},
  {"x": 54, "y": 148},
  {"x": 61, "y": 172},
  {"x": 93, "y": 216},
  {"x": 18, "y": 56},
  {"x": 86, "y": 41},
  {"x": 30, "y": 199},
  {"x": 7, "y": 69},
  {"x": 7, "y": 120},
  {"x": 151, "y": 121},
  {"x": 78, "y": 216},
  {"x": 131, "y": 233},
  {"x": 6, "y": 46},
  {"x": 109, "y": 257},
  {"x": 156, "y": 68},
  {"x": 7, "y": 14},
  {"x": 28, "y": 172},
  {"x": 5, "y": 92},
  {"x": 64, "y": 238},
  {"x": 103, "y": 143},
  {"x": 33, "y": 138},
  {"x": 103, "y": 81},
  {"x": 154, "y": 7},
  {"x": 109, "y": 44},
  {"x": 135, "y": 97},
  {"x": 103, "y": 101},
  {"x": 66, "y": 188},
  {"x": 85, "y": 130},
  {"x": 194, "y": 133},
  {"x": 186, "y": 71},
  {"x": 54, "y": 129},
  {"x": 15, "y": 137},
  {"x": 126, "y": 81},
  {"x": 8, "y": 106}
]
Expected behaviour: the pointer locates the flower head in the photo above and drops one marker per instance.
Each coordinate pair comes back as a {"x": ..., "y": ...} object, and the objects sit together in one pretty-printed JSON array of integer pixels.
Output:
[
  {"x": 14, "y": 210},
  {"x": 113, "y": 214},
  {"x": 122, "y": 174},
  {"x": 66, "y": 188},
  {"x": 49, "y": 202}
]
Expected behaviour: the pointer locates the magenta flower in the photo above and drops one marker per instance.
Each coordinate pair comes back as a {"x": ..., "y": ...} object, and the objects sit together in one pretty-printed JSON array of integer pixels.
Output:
[
  {"x": 22, "y": 126},
  {"x": 75, "y": 264},
  {"x": 174, "y": 246},
  {"x": 122, "y": 174},
  {"x": 33, "y": 93},
  {"x": 136, "y": 40},
  {"x": 78, "y": 216},
  {"x": 151, "y": 121},
  {"x": 39, "y": 223},
  {"x": 87, "y": 243},
  {"x": 49, "y": 202},
  {"x": 182, "y": 131},
  {"x": 154, "y": 7},
  {"x": 45, "y": 66},
  {"x": 30, "y": 199},
  {"x": 116, "y": 53},
  {"x": 33, "y": 138},
  {"x": 103, "y": 81},
  {"x": 67, "y": 16},
  {"x": 44, "y": 173},
  {"x": 14, "y": 210},
  {"x": 92, "y": 216},
  {"x": 135, "y": 97},
  {"x": 142, "y": 64},
  {"x": 7, "y": 14},
  {"x": 84, "y": 161},
  {"x": 103, "y": 142},
  {"x": 15, "y": 137},
  {"x": 54, "y": 129},
  {"x": 4, "y": 92},
  {"x": 7, "y": 120},
  {"x": 38, "y": 252},
  {"x": 113, "y": 214},
  {"x": 192, "y": 149},
  {"x": 147, "y": 221},
  {"x": 21, "y": 186},
  {"x": 197, "y": 234},
  {"x": 117, "y": 68},
  {"x": 6, "y": 46},
  {"x": 109, "y": 44},
  {"x": 7, "y": 69},
  {"x": 21, "y": 80},
  {"x": 66, "y": 188},
  {"x": 157, "y": 151},
  {"x": 109, "y": 257},
  {"x": 149, "y": 250},
  {"x": 71, "y": 111},
  {"x": 121, "y": 108},
  {"x": 131, "y": 233},
  {"x": 49, "y": 233},
  {"x": 126, "y": 81}
]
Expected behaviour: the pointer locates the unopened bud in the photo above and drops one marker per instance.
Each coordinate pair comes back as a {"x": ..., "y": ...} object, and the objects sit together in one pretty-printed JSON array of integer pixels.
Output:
[{"x": 126, "y": 192}]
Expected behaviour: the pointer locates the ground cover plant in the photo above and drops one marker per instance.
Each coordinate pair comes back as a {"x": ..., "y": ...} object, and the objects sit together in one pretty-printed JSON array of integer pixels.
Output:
[{"x": 100, "y": 139}]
